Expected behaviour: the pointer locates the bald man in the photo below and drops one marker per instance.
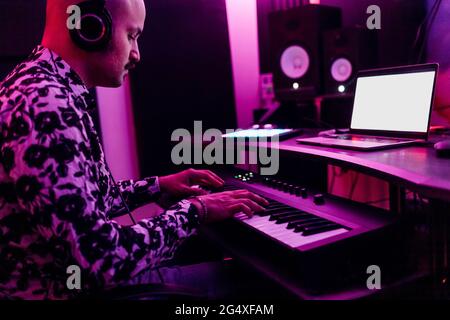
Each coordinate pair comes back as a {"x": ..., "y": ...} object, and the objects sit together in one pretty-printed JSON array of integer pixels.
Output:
[{"x": 56, "y": 191}]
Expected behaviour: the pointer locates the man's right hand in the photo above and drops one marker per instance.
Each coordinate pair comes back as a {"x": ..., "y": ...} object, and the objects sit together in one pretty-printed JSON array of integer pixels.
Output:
[{"x": 224, "y": 205}]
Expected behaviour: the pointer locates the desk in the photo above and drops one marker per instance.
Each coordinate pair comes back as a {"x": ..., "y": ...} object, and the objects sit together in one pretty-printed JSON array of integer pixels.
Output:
[{"x": 416, "y": 167}]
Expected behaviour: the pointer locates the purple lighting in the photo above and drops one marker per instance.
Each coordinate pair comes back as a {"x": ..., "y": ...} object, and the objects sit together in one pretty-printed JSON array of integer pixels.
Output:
[
  {"x": 243, "y": 33},
  {"x": 116, "y": 118}
]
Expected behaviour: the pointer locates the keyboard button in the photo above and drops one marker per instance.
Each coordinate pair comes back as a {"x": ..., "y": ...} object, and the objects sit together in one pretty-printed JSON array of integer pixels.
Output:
[{"x": 319, "y": 199}]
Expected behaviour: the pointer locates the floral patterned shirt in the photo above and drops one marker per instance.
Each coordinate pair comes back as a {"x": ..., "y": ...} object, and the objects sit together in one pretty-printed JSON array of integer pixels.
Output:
[{"x": 56, "y": 192}]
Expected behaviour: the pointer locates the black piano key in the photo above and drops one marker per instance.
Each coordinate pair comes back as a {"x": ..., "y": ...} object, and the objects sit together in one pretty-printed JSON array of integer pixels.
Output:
[
  {"x": 303, "y": 220},
  {"x": 277, "y": 208},
  {"x": 290, "y": 213},
  {"x": 319, "y": 229},
  {"x": 270, "y": 211},
  {"x": 302, "y": 227},
  {"x": 275, "y": 216},
  {"x": 276, "y": 205},
  {"x": 290, "y": 218}
]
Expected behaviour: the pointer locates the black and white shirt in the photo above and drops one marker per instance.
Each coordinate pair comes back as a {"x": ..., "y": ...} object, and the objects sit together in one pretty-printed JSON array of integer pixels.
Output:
[{"x": 56, "y": 192}]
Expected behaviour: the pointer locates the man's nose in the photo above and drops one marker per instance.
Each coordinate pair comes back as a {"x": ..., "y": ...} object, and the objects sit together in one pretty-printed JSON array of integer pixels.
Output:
[{"x": 135, "y": 55}]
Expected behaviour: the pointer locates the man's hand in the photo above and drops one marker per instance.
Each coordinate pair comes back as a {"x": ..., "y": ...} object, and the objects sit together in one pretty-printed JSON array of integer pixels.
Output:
[
  {"x": 220, "y": 206},
  {"x": 180, "y": 185}
]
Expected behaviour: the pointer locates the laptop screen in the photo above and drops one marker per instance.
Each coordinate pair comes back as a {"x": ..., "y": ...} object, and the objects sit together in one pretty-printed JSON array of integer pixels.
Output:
[{"x": 394, "y": 102}]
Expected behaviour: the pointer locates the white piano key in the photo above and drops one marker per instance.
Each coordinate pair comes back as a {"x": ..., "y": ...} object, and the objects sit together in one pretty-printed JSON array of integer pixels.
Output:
[{"x": 282, "y": 234}]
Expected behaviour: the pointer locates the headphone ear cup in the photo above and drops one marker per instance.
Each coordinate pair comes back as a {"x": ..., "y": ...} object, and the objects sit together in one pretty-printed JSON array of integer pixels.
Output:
[{"x": 96, "y": 27}]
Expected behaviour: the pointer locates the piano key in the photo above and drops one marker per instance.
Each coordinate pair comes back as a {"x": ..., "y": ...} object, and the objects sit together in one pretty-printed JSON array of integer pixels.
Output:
[
  {"x": 311, "y": 231},
  {"x": 303, "y": 227},
  {"x": 280, "y": 233},
  {"x": 292, "y": 218},
  {"x": 277, "y": 205},
  {"x": 275, "y": 216},
  {"x": 311, "y": 218},
  {"x": 271, "y": 211}
]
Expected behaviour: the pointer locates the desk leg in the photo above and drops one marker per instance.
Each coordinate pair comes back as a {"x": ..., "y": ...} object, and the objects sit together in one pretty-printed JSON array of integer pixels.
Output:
[
  {"x": 396, "y": 198},
  {"x": 439, "y": 241}
]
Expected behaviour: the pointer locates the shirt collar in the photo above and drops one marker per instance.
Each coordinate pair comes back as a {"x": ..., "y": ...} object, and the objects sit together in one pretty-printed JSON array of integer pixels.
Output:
[{"x": 55, "y": 65}]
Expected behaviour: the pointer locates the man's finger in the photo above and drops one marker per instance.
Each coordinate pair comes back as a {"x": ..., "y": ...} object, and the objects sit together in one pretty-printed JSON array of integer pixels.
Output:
[
  {"x": 205, "y": 177},
  {"x": 215, "y": 176},
  {"x": 240, "y": 207},
  {"x": 195, "y": 191},
  {"x": 252, "y": 205},
  {"x": 241, "y": 194}
]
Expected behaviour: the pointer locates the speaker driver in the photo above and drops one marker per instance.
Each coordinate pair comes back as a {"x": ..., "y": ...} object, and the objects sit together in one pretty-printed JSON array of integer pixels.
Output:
[
  {"x": 341, "y": 70},
  {"x": 295, "y": 62}
]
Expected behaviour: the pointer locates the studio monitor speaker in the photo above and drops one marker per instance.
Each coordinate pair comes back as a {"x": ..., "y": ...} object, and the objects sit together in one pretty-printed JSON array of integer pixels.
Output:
[
  {"x": 296, "y": 49},
  {"x": 346, "y": 51}
]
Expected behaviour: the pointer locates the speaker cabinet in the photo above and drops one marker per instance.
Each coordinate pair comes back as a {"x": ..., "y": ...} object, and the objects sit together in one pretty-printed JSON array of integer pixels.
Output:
[
  {"x": 346, "y": 51},
  {"x": 296, "y": 49},
  {"x": 336, "y": 111}
]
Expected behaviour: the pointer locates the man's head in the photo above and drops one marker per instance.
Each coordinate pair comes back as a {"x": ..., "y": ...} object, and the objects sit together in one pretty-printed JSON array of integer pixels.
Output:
[{"x": 108, "y": 67}]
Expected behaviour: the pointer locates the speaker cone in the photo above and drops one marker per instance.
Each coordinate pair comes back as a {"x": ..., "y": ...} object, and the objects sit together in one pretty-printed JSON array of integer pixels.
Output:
[
  {"x": 295, "y": 62},
  {"x": 341, "y": 70}
]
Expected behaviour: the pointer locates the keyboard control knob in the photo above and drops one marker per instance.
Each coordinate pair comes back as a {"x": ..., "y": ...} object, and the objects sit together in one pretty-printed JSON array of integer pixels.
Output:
[
  {"x": 291, "y": 189},
  {"x": 319, "y": 199},
  {"x": 304, "y": 193},
  {"x": 279, "y": 185}
]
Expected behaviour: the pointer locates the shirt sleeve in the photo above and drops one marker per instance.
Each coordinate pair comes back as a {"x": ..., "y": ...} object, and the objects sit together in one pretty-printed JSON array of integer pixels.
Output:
[
  {"x": 137, "y": 193},
  {"x": 53, "y": 174}
]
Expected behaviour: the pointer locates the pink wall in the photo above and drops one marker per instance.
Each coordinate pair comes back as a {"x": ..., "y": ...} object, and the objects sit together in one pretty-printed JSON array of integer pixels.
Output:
[
  {"x": 119, "y": 139},
  {"x": 243, "y": 32}
]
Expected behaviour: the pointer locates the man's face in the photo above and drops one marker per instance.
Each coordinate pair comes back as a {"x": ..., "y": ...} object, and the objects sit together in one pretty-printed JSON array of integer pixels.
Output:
[{"x": 112, "y": 66}]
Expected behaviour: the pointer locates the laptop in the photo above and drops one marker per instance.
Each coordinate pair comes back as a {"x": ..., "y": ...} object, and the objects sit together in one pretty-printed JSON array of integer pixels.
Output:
[{"x": 392, "y": 108}]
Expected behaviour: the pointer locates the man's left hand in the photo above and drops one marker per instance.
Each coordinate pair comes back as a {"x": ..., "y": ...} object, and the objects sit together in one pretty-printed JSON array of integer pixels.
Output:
[{"x": 181, "y": 185}]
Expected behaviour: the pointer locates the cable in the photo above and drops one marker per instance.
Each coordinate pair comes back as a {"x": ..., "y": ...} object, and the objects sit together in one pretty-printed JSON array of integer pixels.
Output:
[
  {"x": 420, "y": 28},
  {"x": 428, "y": 29},
  {"x": 121, "y": 196},
  {"x": 353, "y": 187},
  {"x": 420, "y": 31}
]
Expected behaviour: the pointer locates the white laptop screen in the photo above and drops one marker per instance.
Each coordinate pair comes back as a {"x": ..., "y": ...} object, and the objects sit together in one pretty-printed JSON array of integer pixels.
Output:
[{"x": 399, "y": 102}]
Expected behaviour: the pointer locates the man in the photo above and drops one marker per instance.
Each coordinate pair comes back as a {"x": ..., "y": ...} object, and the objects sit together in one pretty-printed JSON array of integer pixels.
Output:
[{"x": 56, "y": 192}]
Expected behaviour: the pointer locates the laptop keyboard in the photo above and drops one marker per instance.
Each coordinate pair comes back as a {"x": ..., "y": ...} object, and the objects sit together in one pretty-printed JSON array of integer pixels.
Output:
[{"x": 352, "y": 137}]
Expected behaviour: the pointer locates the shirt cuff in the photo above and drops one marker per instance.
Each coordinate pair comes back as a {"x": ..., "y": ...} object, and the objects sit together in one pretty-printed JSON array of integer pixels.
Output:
[
  {"x": 193, "y": 214},
  {"x": 155, "y": 188}
]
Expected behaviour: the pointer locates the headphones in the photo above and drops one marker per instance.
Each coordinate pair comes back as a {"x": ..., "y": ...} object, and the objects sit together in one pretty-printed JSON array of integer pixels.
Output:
[{"x": 96, "y": 26}]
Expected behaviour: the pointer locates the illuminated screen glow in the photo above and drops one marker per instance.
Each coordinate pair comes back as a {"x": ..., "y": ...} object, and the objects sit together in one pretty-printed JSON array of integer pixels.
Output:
[{"x": 399, "y": 102}]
